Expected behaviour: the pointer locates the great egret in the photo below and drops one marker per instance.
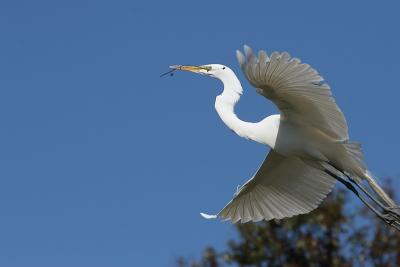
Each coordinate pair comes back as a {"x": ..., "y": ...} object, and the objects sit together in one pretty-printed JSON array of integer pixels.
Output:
[{"x": 309, "y": 141}]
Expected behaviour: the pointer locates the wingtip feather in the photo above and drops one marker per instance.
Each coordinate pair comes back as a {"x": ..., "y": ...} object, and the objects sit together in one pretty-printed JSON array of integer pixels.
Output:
[
  {"x": 248, "y": 51},
  {"x": 240, "y": 57},
  {"x": 208, "y": 216}
]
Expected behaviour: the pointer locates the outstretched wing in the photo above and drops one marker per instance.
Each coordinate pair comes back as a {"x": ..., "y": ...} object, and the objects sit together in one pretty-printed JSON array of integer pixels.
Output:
[
  {"x": 282, "y": 187},
  {"x": 297, "y": 89}
]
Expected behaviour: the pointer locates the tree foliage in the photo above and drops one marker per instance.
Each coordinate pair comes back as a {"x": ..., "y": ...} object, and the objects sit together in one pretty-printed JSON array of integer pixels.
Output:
[{"x": 335, "y": 234}]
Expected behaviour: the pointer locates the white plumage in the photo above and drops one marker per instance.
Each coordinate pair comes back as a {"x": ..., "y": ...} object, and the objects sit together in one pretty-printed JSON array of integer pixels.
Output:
[
  {"x": 297, "y": 89},
  {"x": 282, "y": 187},
  {"x": 308, "y": 136}
]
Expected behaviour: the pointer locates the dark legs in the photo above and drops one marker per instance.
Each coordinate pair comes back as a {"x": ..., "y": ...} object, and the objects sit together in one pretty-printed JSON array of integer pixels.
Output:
[{"x": 390, "y": 215}]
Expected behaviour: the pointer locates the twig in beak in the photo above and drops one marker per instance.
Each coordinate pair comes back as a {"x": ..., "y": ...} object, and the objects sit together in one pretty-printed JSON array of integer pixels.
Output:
[{"x": 171, "y": 73}]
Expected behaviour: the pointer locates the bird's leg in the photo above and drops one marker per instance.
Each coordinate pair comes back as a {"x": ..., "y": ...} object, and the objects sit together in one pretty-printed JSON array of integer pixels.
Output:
[
  {"x": 354, "y": 190},
  {"x": 391, "y": 214},
  {"x": 388, "y": 218},
  {"x": 390, "y": 211},
  {"x": 366, "y": 192}
]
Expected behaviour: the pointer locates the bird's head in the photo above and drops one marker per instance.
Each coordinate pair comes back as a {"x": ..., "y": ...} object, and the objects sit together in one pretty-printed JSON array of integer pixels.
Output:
[{"x": 213, "y": 70}]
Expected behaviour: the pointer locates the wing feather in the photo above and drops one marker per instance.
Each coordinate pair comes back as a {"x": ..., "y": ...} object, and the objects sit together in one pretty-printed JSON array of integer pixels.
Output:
[
  {"x": 282, "y": 187},
  {"x": 297, "y": 89}
]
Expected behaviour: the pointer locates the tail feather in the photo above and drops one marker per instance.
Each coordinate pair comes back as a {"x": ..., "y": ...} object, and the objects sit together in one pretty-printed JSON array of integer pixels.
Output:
[{"x": 354, "y": 149}]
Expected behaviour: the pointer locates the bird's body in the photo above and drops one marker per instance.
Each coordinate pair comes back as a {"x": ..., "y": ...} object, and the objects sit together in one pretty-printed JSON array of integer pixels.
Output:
[
  {"x": 309, "y": 136},
  {"x": 286, "y": 138}
]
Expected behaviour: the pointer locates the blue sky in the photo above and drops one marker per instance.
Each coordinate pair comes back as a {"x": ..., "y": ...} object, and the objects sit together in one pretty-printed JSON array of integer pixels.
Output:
[{"x": 103, "y": 163}]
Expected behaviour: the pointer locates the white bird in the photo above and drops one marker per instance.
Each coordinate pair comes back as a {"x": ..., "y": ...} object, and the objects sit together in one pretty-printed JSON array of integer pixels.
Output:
[{"x": 309, "y": 142}]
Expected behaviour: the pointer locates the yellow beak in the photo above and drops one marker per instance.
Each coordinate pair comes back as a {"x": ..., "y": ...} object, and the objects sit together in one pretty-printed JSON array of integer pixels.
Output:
[{"x": 188, "y": 68}]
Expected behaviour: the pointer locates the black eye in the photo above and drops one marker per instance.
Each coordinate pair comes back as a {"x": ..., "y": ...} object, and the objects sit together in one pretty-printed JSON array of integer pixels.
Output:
[{"x": 223, "y": 68}]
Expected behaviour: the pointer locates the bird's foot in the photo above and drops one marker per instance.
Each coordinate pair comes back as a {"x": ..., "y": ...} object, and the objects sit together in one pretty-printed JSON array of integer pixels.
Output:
[
  {"x": 393, "y": 211},
  {"x": 391, "y": 216}
]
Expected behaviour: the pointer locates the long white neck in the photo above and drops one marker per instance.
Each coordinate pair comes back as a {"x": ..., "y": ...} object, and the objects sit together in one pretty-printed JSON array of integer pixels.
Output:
[{"x": 225, "y": 105}]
